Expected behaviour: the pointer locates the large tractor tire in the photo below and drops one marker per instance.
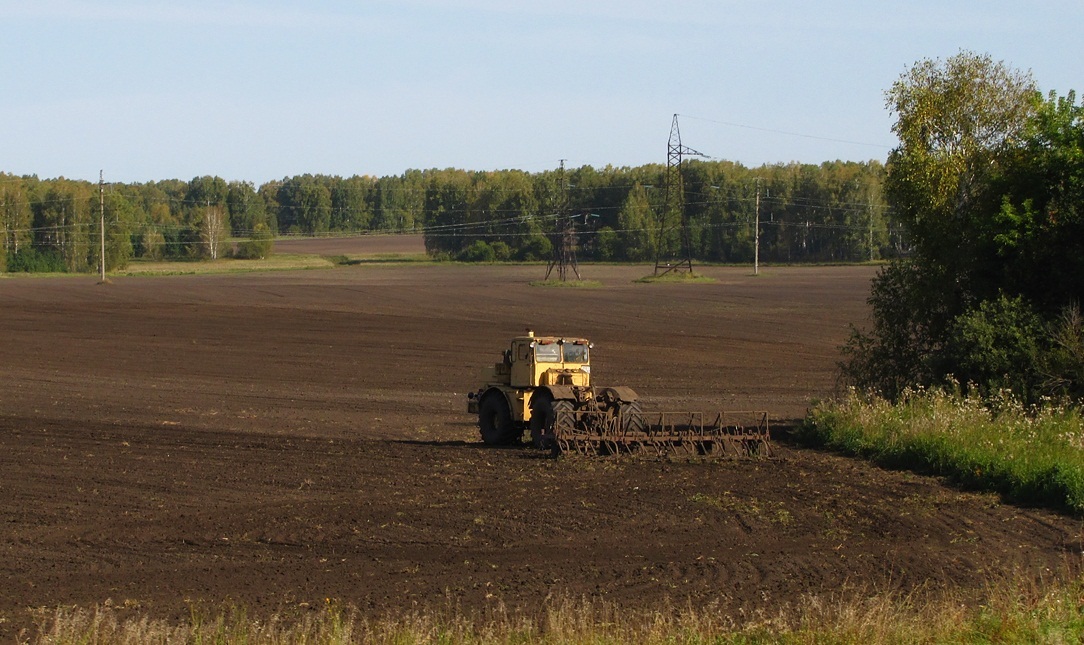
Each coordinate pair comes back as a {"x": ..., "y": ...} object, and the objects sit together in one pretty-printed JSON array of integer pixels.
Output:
[
  {"x": 495, "y": 421},
  {"x": 632, "y": 419},
  {"x": 544, "y": 419},
  {"x": 564, "y": 424},
  {"x": 541, "y": 418}
]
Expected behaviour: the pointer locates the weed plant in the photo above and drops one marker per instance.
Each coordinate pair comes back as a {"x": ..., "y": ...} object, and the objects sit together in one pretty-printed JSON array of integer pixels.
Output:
[
  {"x": 567, "y": 284},
  {"x": 1031, "y": 454}
]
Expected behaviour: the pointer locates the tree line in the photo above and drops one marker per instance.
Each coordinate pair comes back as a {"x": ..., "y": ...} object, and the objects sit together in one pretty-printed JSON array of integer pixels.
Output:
[{"x": 834, "y": 211}]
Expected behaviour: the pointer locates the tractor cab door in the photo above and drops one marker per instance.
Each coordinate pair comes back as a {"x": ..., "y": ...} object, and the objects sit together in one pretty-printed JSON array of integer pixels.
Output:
[{"x": 523, "y": 363}]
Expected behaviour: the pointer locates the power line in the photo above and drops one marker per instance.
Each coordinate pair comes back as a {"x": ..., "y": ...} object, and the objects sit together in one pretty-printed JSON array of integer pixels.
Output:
[{"x": 789, "y": 133}]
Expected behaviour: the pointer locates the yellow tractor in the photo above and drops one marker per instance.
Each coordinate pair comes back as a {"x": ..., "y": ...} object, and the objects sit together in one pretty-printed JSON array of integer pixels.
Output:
[{"x": 543, "y": 384}]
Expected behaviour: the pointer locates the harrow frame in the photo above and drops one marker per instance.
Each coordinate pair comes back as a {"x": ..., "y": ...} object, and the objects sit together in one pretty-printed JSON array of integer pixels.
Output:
[{"x": 733, "y": 435}]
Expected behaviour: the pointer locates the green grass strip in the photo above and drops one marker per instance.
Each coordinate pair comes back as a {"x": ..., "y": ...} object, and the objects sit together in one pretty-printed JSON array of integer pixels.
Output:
[{"x": 1032, "y": 455}]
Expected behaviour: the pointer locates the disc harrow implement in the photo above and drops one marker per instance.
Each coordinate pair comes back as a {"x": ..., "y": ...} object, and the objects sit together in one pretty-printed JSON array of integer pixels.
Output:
[{"x": 721, "y": 435}]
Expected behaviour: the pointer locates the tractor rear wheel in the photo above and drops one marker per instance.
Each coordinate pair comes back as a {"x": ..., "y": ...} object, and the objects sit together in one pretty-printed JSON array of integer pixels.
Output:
[
  {"x": 541, "y": 418},
  {"x": 632, "y": 419},
  {"x": 564, "y": 418},
  {"x": 495, "y": 421},
  {"x": 546, "y": 424}
]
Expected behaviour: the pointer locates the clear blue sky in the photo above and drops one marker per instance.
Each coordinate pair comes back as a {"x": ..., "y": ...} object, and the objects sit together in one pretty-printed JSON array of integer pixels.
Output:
[{"x": 149, "y": 90}]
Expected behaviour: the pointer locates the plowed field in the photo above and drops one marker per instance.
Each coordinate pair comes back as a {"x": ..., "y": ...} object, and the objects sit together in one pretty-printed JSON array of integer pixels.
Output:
[{"x": 277, "y": 439}]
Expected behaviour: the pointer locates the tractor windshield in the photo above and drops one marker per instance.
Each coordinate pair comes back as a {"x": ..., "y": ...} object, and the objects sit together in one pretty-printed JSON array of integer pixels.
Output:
[
  {"x": 547, "y": 352},
  {"x": 575, "y": 353}
]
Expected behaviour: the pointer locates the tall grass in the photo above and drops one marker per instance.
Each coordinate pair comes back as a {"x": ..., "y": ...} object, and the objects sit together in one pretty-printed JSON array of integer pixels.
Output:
[
  {"x": 1032, "y": 454},
  {"x": 1014, "y": 612}
]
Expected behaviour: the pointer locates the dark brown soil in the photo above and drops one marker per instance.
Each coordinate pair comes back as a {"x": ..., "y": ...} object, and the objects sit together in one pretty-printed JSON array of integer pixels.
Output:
[{"x": 287, "y": 438}]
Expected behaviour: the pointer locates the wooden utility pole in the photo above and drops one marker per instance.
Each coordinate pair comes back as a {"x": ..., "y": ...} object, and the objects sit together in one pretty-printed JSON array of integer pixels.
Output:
[
  {"x": 870, "y": 207},
  {"x": 756, "y": 234},
  {"x": 101, "y": 207}
]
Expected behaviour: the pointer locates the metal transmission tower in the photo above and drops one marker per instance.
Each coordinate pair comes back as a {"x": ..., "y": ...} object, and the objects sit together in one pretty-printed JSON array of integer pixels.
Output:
[
  {"x": 564, "y": 238},
  {"x": 674, "y": 208},
  {"x": 564, "y": 249}
]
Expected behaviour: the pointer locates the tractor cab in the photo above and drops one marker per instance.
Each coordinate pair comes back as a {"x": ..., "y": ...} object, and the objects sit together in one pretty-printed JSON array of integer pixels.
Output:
[{"x": 549, "y": 360}]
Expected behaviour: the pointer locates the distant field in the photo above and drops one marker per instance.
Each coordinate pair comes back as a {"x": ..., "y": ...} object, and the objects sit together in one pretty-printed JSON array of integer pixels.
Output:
[{"x": 355, "y": 246}]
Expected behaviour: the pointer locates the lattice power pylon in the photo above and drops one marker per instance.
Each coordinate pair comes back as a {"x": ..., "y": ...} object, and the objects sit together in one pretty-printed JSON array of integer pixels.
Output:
[
  {"x": 564, "y": 235},
  {"x": 564, "y": 250},
  {"x": 674, "y": 207}
]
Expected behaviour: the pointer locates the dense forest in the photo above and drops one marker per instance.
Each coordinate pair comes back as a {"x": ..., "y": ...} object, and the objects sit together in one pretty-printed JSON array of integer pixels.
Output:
[{"x": 808, "y": 213}]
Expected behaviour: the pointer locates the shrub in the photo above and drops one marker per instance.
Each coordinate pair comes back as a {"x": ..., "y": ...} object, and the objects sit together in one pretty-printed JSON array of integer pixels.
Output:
[
  {"x": 909, "y": 313},
  {"x": 31, "y": 260},
  {"x": 479, "y": 251},
  {"x": 259, "y": 246},
  {"x": 501, "y": 251},
  {"x": 535, "y": 247},
  {"x": 997, "y": 345}
]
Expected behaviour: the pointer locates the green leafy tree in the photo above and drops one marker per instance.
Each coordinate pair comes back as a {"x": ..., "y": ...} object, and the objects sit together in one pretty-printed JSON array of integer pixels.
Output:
[
  {"x": 637, "y": 226},
  {"x": 269, "y": 193},
  {"x": 997, "y": 345},
  {"x": 479, "y": 251},
  {"x": 451, "y": 225},
  {"x": 246, "y": 208},
  {"x": 62, "y": 222},
  {"x": 121, "y": 215},
  {"x": 606, "y": 244},
  {"x": 206, "y": 191},
  {"x": 1038, "y": 231},
  {"x": 152, "y": 244},
  {"x": 214, "y": 229},
  {"x": 987, "y": 181},
  {"x": 959, "y": 122},
  {"x": 350, "y": 203},
  {"x": 401, "y": 203},
  {"x": 305, "y": 204},
  {"x": 15, "y": 215}
]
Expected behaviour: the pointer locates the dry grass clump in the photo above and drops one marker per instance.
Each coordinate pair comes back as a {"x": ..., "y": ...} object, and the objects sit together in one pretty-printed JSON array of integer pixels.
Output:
[{"x": 1013, "y": 612}]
